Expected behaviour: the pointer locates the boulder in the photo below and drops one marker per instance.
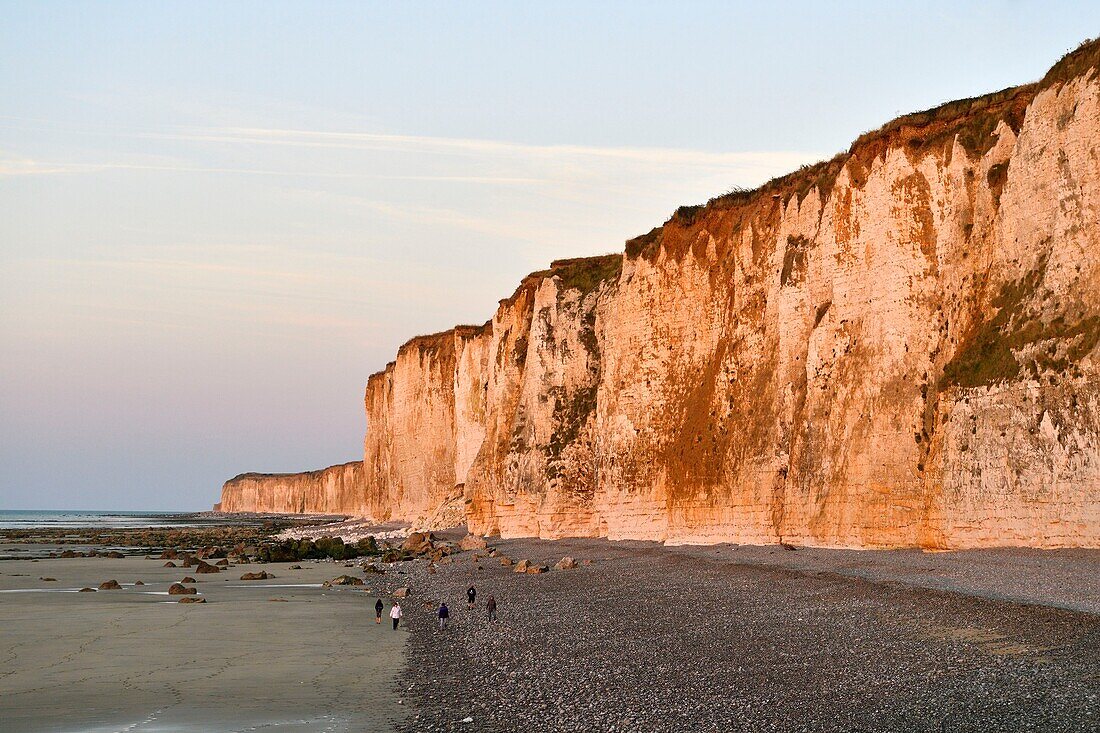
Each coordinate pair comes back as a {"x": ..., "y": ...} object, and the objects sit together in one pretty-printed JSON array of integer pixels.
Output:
[
  {"x": 189, "y": 599},
  {"x": 223, "y": 563},
  {"x": 418, "y": 543},
  {"x": 401, "y": 593},
  {"x": 188, "y": 579},
  {"x": 86, "y": 590},
  {"x": 566, "y": 563},
  {"x": 68, "y": 553},
  {"x": 262, "y": 575},
  {"x": 343, "y": 580},
  {"x": 138, "y": 582},
  {"x": 521, "y": 566},
  {"x": 110, "y": 585},
  {"x": 169, "y": 555},
  {"x": 205, "y": 567},
  {"x": 472, "y": 542},
  {"x": 294, "y": 567},
  {"x": 179, "y": 589},
  {"x": 505, "y": 560},
  {"x": 537, "y": 569},
  {"x": 115, "y": 554},
  {"x": 49, "y": 580},
  {"x": 169, "y": 564}
]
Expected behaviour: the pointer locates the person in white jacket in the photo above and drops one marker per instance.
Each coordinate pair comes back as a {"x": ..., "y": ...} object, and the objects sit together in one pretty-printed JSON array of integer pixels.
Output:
[{"x": 395, "y": 614}]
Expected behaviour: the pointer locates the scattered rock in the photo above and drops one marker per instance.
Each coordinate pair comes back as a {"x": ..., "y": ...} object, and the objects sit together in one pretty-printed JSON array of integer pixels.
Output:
[
  {"x": 401, "y": 593},
  {"x": 505, "y": 561},
  {"x": 86, "y": 590},
  {"x": 787, "y": 546},
  {"x": 169, "y": 564},
  {"x": 115, "y": 554},
  {"x": 537, "y": 569},
  {"x": 169, "y": 555},
  {"x": 179, "y": 589},
  {"x": 223, "y": 563},
  {"x": 295, "y": 567},
  {"x": 110, "y": 585},
  {"x": 189, "y": 599},
  {"x": 521, "y": 566},
  {"x": 566, "y": 563},
  {"x": 188, "y": 579},
  {"x": 138, "y": 582},
  {"x": 205, "y": 567},
  {"x": 68, "y": 553},
  {"x": 343, "y": 580},
  {"x": 262, "y": 575},
  {"x": 472, "y": 542},
  {"x": 418, "y": 543},
  {"x": 49, "y": 580}
]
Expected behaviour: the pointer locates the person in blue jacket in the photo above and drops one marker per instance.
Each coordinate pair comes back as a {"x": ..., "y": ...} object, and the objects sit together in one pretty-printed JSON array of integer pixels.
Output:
[{"x": 444, "y": 614}]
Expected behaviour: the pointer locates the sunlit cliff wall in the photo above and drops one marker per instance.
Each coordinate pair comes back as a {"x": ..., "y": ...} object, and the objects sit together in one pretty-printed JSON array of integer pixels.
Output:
[
  {"x": 897, "y": 347},
  {"x": 334, "y": 490}
]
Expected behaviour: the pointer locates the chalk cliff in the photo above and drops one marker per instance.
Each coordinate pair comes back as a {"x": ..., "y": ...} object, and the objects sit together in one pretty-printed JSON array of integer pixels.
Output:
[
  {"x": 334, "y": 490},
  {"x": 896, "y": 347}
]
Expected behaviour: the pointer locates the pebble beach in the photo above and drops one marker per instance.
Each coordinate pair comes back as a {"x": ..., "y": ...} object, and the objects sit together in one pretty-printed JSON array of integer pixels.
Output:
[{"x": 647, "y": 638}]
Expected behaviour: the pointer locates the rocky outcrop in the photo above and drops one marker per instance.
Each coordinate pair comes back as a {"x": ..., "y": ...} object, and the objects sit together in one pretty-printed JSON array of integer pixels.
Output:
[
  {"x": 896, "y": 347},
  {"x": 333, "y": 490}
]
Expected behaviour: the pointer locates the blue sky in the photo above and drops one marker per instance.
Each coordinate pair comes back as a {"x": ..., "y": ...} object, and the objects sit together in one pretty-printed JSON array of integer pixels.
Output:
[{"x": 216, "y": 220}]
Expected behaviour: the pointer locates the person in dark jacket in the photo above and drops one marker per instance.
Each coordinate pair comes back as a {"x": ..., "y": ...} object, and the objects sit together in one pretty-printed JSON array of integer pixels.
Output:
[
  {"x": 491, "y": 607},
  {"x": 444, "y": 614},
  {"x": 379, "y": 606},
  {"x": 471, "y": 594}
]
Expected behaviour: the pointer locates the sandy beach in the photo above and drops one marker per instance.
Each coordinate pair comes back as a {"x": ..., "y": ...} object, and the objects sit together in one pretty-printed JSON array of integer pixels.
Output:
[{"x": 284, "y": 654}]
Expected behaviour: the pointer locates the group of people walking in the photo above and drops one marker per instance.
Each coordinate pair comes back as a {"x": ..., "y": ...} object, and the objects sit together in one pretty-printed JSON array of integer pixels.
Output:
[{"x": 443, "y": 613}]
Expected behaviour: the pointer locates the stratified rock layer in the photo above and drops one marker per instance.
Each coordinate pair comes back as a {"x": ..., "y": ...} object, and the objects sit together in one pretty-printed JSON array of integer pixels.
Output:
[
  {"x": 334, "y": 490},
  {"x": 897, "y": 347}
]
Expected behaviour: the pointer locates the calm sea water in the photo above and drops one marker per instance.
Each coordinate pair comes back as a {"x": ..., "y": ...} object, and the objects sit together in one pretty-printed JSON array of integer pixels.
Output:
[{"x": 33, "y": 518}]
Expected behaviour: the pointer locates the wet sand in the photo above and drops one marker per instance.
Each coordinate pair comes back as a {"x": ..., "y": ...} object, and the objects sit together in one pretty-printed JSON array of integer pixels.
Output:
[{"x": 282, "y": 654}]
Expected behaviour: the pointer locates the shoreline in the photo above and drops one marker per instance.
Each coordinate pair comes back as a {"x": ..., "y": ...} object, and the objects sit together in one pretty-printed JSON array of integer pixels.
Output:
[{"x": 640, "y": 636}]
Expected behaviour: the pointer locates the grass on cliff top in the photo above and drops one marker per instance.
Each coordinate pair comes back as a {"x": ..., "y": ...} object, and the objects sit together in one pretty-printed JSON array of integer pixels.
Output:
[
  {"x": 971, "y": 121},
  {"x": 584, "y": 273}
]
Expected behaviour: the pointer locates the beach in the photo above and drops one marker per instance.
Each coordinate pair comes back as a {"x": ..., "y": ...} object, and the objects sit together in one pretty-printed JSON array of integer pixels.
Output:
[
  {"x": 636, "y": 637},
  {"x": 283, "y": 654},
  {"x": 651, "y": 638}
]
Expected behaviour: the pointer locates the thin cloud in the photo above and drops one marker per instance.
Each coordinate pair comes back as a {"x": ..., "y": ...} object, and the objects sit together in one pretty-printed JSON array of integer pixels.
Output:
[
  {"x": 477, "y": 147},
  {"x": 27, "y": 167}
]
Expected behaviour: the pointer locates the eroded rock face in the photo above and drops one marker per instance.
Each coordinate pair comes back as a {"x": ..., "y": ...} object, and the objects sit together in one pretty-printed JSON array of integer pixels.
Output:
[
  {"x": 897, "y": 347},
  {"x": 333, "y": 490}
]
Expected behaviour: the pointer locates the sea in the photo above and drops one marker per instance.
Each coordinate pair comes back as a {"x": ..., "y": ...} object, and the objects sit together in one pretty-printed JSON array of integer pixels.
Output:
[{"x": 43, "y": 519}]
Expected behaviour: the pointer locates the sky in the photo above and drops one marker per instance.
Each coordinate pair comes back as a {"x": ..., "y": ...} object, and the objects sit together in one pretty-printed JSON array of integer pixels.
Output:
[{"x": 218, "y": 219}]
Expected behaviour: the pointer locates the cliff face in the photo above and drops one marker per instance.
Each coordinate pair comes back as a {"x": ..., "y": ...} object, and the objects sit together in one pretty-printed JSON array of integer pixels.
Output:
[
  {"x": 334, "y": 490},
  {"x": 897, "y": 347}
]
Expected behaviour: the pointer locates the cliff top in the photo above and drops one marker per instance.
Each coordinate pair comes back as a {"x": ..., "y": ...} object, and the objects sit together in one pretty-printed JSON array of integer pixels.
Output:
[
  {"x": 971, "y": 122},
  {"x": 315, "y": 473}
]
